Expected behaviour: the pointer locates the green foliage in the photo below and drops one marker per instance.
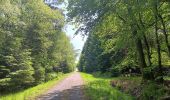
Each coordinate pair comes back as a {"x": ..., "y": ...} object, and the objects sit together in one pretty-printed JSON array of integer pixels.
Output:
[
  {"x": 50, "y": 76},
  {"x": 32, "y": 44},
  {"x": 90, "y": 56},
  {"x": 39, "y": 75},
  {"x": 133, "y": 37},
  {"x": 152, "y": 91},
  {"x": 63, "y": 55},
  {"x": 33, "y": 92},
  {"x": 22, "y": 78},
  {"x": 4, "y": 71},
  {"x": 115, "y": 72},
  {"x": 5, "y": 84},
  {"x": 132, "y": 34}
]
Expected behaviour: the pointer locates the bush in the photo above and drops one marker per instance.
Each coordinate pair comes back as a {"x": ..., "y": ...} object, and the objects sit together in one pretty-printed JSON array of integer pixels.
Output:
[
  {"x": 152, "y": 91},
  {"x": 97, "y": 74},
  {"x": 50, "y": 76},
  {"x": 39, "y": 75},
  {"x": 4, "y": 71},
  {"x": 4, "y": 84},
  {"x": 148, "y": 73},
  {"x": 115, "y": 72},
  {"x": 22, "y": 78}
]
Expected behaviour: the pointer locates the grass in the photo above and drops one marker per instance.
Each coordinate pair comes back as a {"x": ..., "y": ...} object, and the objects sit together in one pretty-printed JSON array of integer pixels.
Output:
[
  {"x": 97, "y": 88},
  {"x": 32, "y": 93}
]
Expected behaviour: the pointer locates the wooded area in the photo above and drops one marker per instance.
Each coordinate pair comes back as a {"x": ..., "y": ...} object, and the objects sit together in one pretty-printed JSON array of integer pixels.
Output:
[
  {"x": 33, "y": 46},
  {"x": 127, "y": 51},
  {"x": 125, "y": 38}
]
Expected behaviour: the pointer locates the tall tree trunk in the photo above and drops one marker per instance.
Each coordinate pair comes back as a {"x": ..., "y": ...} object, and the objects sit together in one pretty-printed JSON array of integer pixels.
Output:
[
  {"x": 139, "y": 47},
  {"x": 147, "y": 50},
  {"x": 159, "y": 76},
  {"x": 165, "y": 33},
  {"x": 146, "y": 42}
]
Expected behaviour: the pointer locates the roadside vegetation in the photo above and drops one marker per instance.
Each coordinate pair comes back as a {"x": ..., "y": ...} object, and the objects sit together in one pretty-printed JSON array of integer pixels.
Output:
[
  {"x": 33, "y": 92},
  {"x": 140, "y": 90},
  {"x": 33, "y": 46},
  {"x": 99, "y": 88},
  {"x": 105, "y": 87},
  {"x": 126, "y": 38},
  {"x": 128, "y": 43}
]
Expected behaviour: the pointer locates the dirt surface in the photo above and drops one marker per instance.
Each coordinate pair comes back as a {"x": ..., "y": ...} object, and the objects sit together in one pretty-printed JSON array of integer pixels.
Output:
[{"x": 68, "y": 89}]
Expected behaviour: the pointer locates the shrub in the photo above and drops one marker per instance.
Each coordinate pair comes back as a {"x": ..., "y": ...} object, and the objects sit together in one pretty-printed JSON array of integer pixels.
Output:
[
  {"x": 152, "y": 91},
  {"x": 39, "y": 75},
  {"x": 4, "y": 84},
  {"x": 50, "y": 76},
  {"x": 22, "y": 78},
  {"x": 115, "y": 72},
  {"x": 4, "y": 71}
]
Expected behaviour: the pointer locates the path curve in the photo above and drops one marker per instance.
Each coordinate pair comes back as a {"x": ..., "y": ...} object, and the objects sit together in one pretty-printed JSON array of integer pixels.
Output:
[{"x": 68, "y": 89}]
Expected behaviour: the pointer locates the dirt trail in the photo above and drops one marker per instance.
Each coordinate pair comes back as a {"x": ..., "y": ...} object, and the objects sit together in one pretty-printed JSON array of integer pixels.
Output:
[{"x": 68, "y": 89}]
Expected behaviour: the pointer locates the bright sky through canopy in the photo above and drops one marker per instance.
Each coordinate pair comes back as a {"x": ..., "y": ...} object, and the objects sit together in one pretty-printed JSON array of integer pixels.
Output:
[{"x": 76, "y": 40}]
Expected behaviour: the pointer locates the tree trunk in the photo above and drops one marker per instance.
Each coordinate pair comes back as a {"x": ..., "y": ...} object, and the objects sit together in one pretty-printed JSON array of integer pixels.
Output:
[
  {"x": 139, "y": 47},
  {"x": 141, "y": 53},
  {"x": 148, "y": 51},
  {"x": 159, "y": 76},
  {"x": 146, "y": 42}
]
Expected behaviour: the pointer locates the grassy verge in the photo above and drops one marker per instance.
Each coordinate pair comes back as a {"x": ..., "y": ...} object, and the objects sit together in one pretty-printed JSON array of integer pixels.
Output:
[
  {"x": 100, "y": 89},
  {"x": 32, "y": 93}
]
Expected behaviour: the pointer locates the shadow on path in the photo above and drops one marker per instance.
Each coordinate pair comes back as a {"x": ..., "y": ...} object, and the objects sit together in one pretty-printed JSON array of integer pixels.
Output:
[
  {"x": 68, "y": 89},
  {"x": 75, "y": 93}
]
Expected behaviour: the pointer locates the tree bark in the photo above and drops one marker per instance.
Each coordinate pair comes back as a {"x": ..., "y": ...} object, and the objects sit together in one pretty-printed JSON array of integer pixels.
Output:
[
  {"x": 148, "y": 51},
  {"x": 141, "y": 57},
  {"x": 146, "y": 42},
  {"x": 139, "y": 46},
  {"x": 159, "y": 76}
]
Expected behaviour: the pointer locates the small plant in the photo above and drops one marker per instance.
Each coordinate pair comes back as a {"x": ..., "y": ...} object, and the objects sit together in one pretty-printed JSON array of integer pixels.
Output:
[{"x": 152, "y": 91}]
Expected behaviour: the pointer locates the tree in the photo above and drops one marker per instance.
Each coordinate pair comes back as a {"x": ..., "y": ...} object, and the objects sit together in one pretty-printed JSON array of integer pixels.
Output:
[
  {"x": 31, "y": 43},
  {"x": 89, "y": 61},
  {"x": 126, "y": 27}
]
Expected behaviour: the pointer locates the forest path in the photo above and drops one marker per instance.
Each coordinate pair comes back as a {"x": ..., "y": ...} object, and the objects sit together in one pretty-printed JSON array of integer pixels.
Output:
[{"x": 68, "y": 89}]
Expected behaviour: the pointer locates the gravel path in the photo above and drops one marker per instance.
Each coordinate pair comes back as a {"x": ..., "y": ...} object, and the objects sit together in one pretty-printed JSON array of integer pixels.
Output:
[{"x": 68, "y": 89}]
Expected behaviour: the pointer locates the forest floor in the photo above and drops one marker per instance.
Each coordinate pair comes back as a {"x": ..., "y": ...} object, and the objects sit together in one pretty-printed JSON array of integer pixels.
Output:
[{"x": 68, "y": 89}]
